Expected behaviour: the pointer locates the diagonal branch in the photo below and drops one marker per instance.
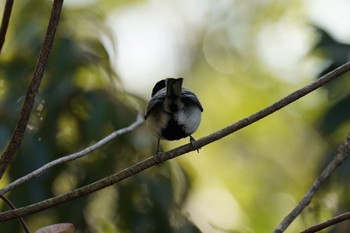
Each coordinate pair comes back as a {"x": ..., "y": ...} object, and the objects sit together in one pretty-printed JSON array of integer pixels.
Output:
[
  {"x": 342, "y": 154},
  {"x": 330, "y": 222},
  {"x": 12, "y": 206},
  {"x": 38, "y": 172},
  {"x": 152, "y": 161},
  {"x": 38, "y": 73},
  {"x": 5, "y": 22}
]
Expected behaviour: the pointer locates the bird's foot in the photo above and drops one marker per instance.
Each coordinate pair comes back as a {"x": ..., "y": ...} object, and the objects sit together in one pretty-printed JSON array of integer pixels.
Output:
[
  {"x": 158, "y": 158},
  {"x": 158, "y": 154},
  {"x": 192, "y": 141}
]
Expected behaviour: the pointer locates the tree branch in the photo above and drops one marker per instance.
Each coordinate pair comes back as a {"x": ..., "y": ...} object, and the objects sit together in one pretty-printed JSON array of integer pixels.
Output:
[
  {"x": 152, "y": 161},
  {"x": 38, "y": 73},
  {"x": 20, "y": 219},
  {"x": 342, "y": 154},
  {"x": 139, "y": 120},
  {"x": 5, "y": 22},
  {"x": 328, "y": 223}
]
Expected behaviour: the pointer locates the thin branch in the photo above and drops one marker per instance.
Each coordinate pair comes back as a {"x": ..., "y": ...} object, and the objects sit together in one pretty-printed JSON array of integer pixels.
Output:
[
  {"x": 38, "y": 73},
  {"x": 154, "y": 160},
  {"x": 342, "y": 154},
  {"x": 328, "y": 223},
  {"x": 12, "y": 206},
  {"x": 5, "y": 22},
  {"x": 139, "y": 120}
]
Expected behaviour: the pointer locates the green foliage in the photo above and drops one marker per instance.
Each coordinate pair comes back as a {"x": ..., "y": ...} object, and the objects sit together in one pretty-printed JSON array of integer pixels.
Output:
[
  {"x": 338, "y": 114},
  {"x": 142, "y": 198},
  {"x": 244, "y": 183},
  {"x": 334, "y": 124},
  {"x": 80, "y": 101}
]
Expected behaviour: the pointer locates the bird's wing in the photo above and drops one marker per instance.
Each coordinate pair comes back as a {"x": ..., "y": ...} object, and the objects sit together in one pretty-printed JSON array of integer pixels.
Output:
[
  {"x": 157, "y": 99},
  {"x": 159, "y": 85},
  {"x": 188, "y": 95}
]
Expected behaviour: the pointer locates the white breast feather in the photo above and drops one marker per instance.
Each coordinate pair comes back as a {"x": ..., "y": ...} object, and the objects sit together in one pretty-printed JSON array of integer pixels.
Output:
[{"x": 190, "y": 119}]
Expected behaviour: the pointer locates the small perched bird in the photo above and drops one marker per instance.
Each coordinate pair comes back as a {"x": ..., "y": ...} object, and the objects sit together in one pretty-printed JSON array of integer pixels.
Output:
[{"x": 173, "y": 111}]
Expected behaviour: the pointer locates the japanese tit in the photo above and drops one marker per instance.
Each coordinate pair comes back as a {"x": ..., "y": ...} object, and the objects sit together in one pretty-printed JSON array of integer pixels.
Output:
[{"x": 173, "y": 111}]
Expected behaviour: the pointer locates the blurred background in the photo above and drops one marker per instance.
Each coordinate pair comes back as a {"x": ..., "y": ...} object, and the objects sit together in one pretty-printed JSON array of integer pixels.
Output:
[{"x": 237, "y": 56}]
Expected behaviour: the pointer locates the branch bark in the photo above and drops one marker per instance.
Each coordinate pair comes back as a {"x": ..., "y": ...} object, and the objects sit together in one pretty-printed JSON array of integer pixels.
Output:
[
  {"x": 328, "y": 223},
  {"x": 152, "y": 161},
  {"x": 342, "y": 154},
  {"x": 139, "y": 120},
  {"x": 5, "y": 22},
  {"x": 38, "y": 73},
  {"x": 12, "y": 206}
]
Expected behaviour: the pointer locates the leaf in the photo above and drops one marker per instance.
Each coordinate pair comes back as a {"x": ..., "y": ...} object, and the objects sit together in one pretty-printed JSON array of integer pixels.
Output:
[{"x": 336, "y": 116}]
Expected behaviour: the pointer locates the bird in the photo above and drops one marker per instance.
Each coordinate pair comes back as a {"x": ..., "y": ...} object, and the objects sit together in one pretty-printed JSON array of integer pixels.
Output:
[{"x": 173, "y": 112}]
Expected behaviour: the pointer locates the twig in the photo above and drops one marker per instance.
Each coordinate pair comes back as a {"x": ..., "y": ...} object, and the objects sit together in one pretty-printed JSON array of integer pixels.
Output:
[
  {"x": 12, "y": 206},
  {"x": 139, "y": 120},
  {"x": 342, "y": 154},
  {"x": 5, "y": 22},
  {"x": 38, "y": 73},
  {"x": 152, "y": 161},
  {"x": 328, "y": 223}
]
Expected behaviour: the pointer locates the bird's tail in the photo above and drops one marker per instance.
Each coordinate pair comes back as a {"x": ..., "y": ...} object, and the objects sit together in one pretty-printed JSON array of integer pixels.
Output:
[{"x": 173, "y": 87}]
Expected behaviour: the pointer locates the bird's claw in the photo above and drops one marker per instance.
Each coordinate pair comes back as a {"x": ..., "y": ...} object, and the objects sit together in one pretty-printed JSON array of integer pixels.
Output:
[
  {"x": 192, "y": 141},
  {"x": 158, "y": 157}
]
